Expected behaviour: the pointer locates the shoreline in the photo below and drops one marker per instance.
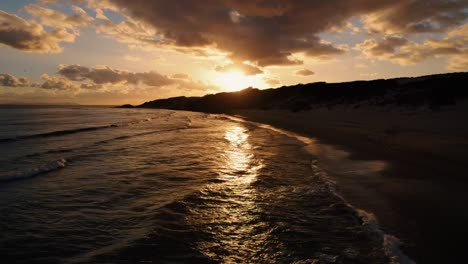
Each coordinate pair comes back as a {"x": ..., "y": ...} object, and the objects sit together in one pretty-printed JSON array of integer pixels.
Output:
[{"x": 419, "y": 197}]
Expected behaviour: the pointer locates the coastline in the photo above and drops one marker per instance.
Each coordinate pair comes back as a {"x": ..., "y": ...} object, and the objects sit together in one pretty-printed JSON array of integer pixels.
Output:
[
  {"x": 415, "y": 126},
  {"x": 420, "y": 196}
]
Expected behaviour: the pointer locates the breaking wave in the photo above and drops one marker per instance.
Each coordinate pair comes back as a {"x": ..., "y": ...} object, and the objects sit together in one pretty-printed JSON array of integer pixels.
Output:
[{"x": 51, "y": 166}]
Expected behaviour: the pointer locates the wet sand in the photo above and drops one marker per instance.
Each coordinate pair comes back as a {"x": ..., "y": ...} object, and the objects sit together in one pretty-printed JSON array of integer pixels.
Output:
[{"x": 421, "y": 195}]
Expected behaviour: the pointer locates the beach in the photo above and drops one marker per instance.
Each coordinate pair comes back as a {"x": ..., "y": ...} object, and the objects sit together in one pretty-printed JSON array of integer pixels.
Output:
[{"x": 419, "y": 194}]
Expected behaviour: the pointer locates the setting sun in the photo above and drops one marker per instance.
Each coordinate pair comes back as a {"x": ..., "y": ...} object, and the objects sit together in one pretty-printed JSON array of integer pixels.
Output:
[{"x": 233, "y": 81}]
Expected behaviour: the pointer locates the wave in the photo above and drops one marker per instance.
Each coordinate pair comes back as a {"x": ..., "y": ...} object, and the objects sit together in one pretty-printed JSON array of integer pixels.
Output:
[
  {"x": 96, "y": 143},
  {"x": 51, "y": 166},
  {"x": 391, "y": 244},
  {"x": 75, "y": 130},
  {"x": 140, "y": 134},
  {"x": 56, "y": 133},
  {"x": 239, "y": 119}
]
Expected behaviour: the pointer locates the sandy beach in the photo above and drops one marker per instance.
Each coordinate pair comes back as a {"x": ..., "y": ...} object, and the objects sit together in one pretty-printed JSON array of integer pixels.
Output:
[{"x": 420, "y": 194}]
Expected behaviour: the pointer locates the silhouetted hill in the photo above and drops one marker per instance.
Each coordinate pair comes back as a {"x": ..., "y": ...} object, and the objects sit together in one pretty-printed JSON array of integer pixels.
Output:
[
  {"x": 433, "y": 91},
  {"x": 125, "y": 106}
]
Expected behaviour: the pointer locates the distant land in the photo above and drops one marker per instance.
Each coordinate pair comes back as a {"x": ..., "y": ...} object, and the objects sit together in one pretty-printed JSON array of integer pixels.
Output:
[{"x": 434, "y": 91}]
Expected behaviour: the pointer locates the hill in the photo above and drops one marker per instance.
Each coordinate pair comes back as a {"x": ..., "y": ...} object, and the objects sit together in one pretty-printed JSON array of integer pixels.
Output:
[{"x": 433, "y": 91}]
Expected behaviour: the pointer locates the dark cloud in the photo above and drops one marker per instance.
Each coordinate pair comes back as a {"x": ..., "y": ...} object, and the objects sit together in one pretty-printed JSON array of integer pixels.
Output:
[
  {"x": 98, "y": 77},
  {"x": 245, "y": 68},
  {"x": 263, "y": 32},
  {"x": 268, "y": 32},
  {"x": 305, "y": 72},
  {"x": 259, "y": 32},
  {"x": 107, "y": 75},
  {"x": 12, "y": 81},
  {"x": 74, "y": 72},
  {"x": 384, "y": 46},
  {"x": 56, "y": 83}
]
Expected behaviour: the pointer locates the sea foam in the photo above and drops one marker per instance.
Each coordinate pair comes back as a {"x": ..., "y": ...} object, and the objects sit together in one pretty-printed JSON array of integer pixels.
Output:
[{"x": 51, "y": 166}]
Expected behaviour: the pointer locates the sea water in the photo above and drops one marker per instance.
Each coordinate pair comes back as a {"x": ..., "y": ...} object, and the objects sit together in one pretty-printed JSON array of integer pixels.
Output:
[{"x": 104, "y": 185}]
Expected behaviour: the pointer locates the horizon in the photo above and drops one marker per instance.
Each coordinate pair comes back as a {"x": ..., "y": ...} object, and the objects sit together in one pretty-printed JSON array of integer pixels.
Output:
[{"x": 115, "y": 52}]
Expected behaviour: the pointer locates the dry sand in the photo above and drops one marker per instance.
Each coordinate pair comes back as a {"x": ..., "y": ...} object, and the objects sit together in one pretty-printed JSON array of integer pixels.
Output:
[{"x": 421, "y": 197}]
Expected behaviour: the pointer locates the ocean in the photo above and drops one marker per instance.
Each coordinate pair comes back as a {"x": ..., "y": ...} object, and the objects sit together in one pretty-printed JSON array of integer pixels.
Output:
[{"x": 83, "y": 184}]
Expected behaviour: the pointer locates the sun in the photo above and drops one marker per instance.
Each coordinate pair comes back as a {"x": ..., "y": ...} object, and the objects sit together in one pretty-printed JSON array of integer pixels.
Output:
[{"x": 232, "y": 81}]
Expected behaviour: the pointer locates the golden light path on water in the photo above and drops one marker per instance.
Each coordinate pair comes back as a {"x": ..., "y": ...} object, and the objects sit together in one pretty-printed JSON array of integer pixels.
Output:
[
  {"x": 239, "y": 157},
  {"x": 235, "y": 211},
  {"x": 231, "y": 214}
]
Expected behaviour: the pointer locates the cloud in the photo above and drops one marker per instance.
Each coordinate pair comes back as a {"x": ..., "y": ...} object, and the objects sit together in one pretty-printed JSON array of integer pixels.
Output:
[
  {"x": 400, "y": 50},
  {"x": 76, "y": 77},
  {"x": 12, "y": 81},
  {"x": 91, "y": 86},
  {"x": 53, "y": 18},
  {"x": 305, "y": 72},
  {"x": 262, "y": 32},
  {"x": 74, "y": 72},
  {"x": 459, "y": 63},
  {"x": 245, "y": 68},
  {"x": 382, "y": 48},
  {"x": 107, "y": 75},
  {"x": 99, "y": 77},
  {"x": 270, "y": 32},
  {"x": 102, "y": 85},
  {"x": 56, "y": 83},
  {"x": 459, "y": 35},
  {"x": 30, "y": 35},
  {"x": 417, "y": 16},
  {"x": 272, "y": 82},
  {"x": 46, "y": 32},
  {"x": 130, "y": 31}
]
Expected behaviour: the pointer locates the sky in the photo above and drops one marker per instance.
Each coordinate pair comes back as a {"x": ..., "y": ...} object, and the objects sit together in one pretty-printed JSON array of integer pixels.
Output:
[{"x": 111, "y": 52}]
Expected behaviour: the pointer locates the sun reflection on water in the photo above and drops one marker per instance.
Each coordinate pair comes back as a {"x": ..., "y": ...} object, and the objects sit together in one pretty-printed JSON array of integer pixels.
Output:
[
  {"x": 240, "y": 164},
  {"x": 231, "y": 213}
]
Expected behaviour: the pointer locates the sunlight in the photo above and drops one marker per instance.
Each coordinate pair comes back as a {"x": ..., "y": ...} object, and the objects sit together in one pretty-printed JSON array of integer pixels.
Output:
[
  {"x": 230, "y": 220},
  {"x": 233, "y": 81},
  {"x": 239, "y": 156}
]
